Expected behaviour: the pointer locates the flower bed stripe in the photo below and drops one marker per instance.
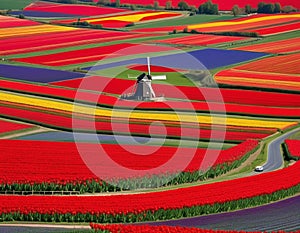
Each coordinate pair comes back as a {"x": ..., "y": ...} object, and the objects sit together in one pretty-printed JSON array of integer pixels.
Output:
[
  {"x": 75, "y": 9},
  {"x": 41, "y": 14},
  {"x": 26, "y": 170},
  {"x": 251, "y": 24},
  {"x": 31, "y": 30},
  {"x": 267, "y": 31},
  {"x": 242, "y": 97},
  {"x": 34, "y": 74},
  {"x": 278, "y": 72},
  {"x": 176, "y": 118},
  {"x": 9, "y": 22},
  {"x": 122, "y": 228},
  {"x": 125, "y": 19},
  {"x": 258, "y": 79},
  {"x": 207, "y": 198},
  {"x": 89, "y": 54},
  {"x": 54, "y": 40},
  {"x": 154, "y": 68},
  {"x": 281, "y": 46},
  {"x": 293, "y": 147},
  {"x": 111, "y": 101},
  {"x": 232, "y": 134},
  {"x": 160, "y": 29},
  {"x": 202, "y": 39},
  {"x": 8, "y": 126},
  {"x": 287, "y": 64}
]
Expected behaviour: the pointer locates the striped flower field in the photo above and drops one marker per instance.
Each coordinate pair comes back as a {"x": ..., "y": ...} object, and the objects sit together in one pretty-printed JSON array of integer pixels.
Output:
[
  {"x": 274, "y": 72},
  {"x": 74, "y": 150},
  {"x": 257, "y": 23}
]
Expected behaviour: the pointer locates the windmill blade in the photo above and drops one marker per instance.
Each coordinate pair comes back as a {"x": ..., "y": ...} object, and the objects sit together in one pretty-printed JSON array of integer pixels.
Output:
[
  {"x": 151, "y": 89},
  {"x": 159, "y": 77},
  {"x": 148, "y": 63},
  {"x": 139, "y": 77}
]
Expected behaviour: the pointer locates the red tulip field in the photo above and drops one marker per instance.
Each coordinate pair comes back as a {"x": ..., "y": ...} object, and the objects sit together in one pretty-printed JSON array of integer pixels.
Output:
[{"x": 149, "y": 116}]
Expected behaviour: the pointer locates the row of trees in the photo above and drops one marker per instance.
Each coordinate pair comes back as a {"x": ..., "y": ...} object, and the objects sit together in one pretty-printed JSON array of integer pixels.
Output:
[
  {"x": 208, "y": 7},
  {"x": 262, "y": 7},
  {"x": 205, "y": 8}
]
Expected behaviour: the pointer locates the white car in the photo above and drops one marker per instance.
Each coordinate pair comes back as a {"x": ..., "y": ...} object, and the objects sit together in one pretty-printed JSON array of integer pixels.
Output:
[{"x": 259, "y": 168}]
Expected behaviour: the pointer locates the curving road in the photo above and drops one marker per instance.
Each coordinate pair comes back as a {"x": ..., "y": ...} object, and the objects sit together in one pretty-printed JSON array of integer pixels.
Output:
[{"x": 275, "y": 158}]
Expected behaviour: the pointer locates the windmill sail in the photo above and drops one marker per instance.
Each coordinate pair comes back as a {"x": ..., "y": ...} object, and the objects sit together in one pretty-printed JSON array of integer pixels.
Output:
[{"x": 151, "y": 89}]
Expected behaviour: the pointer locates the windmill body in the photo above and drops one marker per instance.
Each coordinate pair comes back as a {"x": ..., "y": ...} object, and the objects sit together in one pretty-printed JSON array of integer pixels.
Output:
[{"x": 143, "y": 90}]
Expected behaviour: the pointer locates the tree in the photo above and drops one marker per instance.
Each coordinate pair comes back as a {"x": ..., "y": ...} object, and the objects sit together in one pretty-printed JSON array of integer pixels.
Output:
[
  {"x": 265, "y": 8},
  {"x": 260, "y": 7},
  {"x": 118, "y": 3},
  {"x": 269, "y": 8},
  {"x": 209, "y": 5},
  {"x": 209, "y": 8},
  {"x": 182, "y": 5},
  {"x": 156, "y": 5},
  {"x": 236, "y": 10},
  {"x": 248, "y": 9},
  {"x": 215, "y": 9},
  {"x": 168, "y": 5},
  {"x": 277, "y": 7}
]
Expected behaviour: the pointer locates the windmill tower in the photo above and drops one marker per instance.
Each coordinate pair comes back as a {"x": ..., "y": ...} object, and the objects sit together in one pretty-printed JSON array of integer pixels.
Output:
[{"x": 143, "y": 90}]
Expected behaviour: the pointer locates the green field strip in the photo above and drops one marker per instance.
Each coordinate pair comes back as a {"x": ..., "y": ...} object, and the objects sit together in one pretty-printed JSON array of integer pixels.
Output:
[
  {"x": 173, "y": 78},
  {"x": 15, "y": 4}
]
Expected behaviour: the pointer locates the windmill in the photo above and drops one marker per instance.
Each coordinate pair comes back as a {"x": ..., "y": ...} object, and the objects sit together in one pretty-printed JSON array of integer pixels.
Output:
[{"x": 143, "y": 89}]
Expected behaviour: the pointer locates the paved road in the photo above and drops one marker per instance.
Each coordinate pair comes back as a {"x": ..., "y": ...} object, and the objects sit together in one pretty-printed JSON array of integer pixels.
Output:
[{"x": 275, "y": 158}]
